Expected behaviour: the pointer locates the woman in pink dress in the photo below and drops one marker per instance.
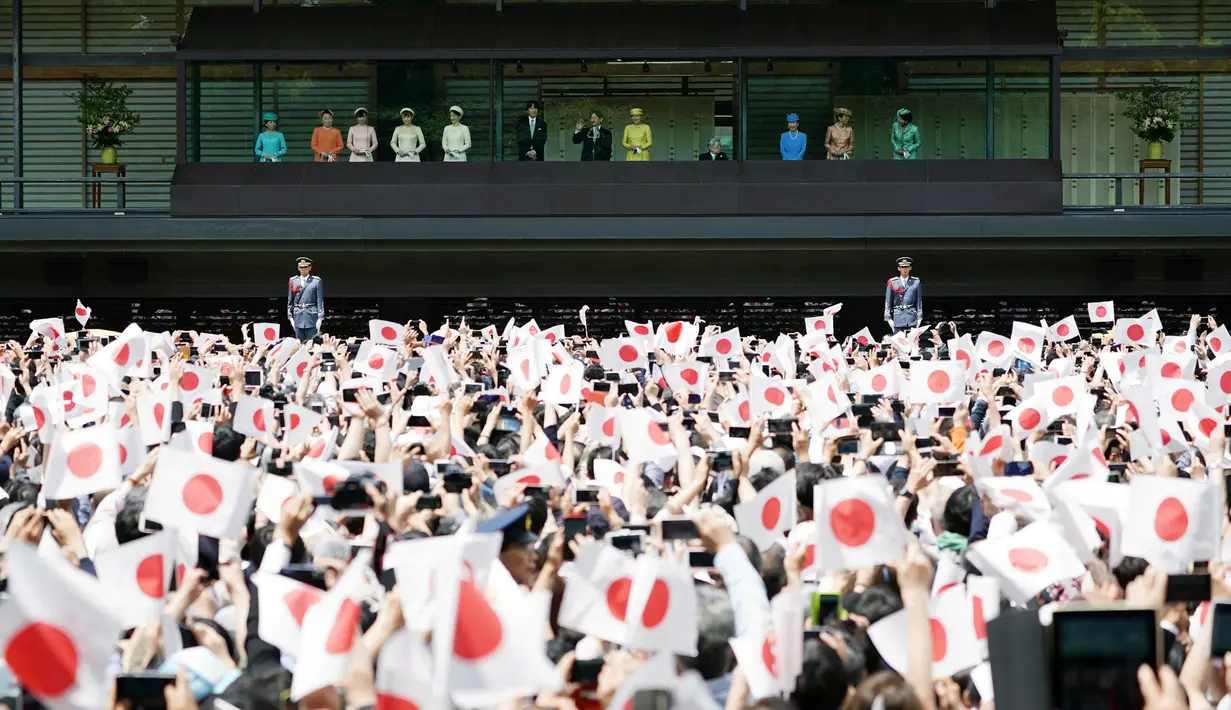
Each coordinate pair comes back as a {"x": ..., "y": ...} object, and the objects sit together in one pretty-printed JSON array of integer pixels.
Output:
[{"x": 361, "y": 138}]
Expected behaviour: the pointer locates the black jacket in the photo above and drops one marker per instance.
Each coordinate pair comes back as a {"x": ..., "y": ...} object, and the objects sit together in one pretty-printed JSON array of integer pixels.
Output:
[
  {"x": 594, "y": 149},
  {"x": 706, "y": 157},
  {"x": 527, "y": 142}
]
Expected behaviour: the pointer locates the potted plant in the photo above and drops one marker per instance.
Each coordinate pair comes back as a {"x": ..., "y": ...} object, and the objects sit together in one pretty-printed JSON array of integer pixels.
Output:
[
  {"x": 105, "y": 115},
  {"x": 1156, "y": 112}
]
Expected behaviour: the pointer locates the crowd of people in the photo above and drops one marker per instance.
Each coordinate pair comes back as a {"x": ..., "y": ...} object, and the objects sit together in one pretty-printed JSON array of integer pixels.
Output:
[{"x": 506, "y": 515}]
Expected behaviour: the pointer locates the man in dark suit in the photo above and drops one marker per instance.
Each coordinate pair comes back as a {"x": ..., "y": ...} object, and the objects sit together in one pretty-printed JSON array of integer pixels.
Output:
[
  {"x": 595, "y": 141},
  {"x": 531, "y": 134}
]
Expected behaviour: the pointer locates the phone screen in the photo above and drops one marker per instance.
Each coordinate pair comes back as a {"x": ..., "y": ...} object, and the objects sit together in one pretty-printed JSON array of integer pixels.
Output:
[
  {"x": 573, "y": 527},
  {"x": 1097, "y": 654},
  {"x": 679, "y": 529}
]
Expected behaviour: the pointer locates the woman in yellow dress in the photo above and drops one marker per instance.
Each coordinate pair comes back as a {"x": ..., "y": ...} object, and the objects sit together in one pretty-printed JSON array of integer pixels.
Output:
[{"x": 637, "y": 137}]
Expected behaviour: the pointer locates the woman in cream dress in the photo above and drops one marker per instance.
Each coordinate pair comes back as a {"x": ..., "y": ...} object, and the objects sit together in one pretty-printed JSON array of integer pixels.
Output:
[
  {"x": 361, "y": 138},
  {"x": 455, "y": 140},
  {"x": 407, "y": 140}
]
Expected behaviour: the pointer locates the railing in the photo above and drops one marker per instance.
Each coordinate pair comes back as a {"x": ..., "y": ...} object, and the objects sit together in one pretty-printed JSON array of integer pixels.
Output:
[
  {"x": 1170, "y": 200},
  {"x": 14, "y": 187}
]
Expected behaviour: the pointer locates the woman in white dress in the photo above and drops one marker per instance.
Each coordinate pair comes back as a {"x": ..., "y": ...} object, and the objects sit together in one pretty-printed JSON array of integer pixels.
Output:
[
  {"x": 455, "y": 140},
  {"x": 361, "y": 138},
  {"x": 407, "y": 140}
]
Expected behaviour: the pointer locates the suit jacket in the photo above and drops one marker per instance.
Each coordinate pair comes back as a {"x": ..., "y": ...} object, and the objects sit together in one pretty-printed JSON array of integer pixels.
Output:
[
  {"x": 904, "y": 301},
  {"x": 707, "y": 156},
  {"x": 527, "y": 142},
  {"x": 594, "y": 149},
  {"x": 305, "y": 301}
]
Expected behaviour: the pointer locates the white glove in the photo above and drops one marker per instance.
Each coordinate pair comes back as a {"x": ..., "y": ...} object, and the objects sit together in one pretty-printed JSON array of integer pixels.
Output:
[{"x": 318, "y": 324}]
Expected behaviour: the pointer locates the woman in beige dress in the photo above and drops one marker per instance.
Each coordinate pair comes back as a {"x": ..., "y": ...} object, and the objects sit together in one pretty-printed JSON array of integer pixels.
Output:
[
  {"x": 361, "y": 138},
  {"x": 455, "y": 139},
  {"x": 407, "y": 142},
  {"x": 840, "y": 137}
]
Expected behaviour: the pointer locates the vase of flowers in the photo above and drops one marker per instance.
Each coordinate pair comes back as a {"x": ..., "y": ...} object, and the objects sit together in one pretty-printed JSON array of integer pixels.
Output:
[
  {"x": 105, "y": 115},
  {"x": 1156, "y": 113}
]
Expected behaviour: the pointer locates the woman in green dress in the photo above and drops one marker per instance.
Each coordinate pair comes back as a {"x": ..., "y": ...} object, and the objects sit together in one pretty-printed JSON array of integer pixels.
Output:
[{"x": 905, "y": 136}]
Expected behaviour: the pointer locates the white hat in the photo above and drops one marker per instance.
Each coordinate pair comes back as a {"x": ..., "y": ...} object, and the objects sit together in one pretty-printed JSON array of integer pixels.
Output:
[
  {"x": 405, "y": 111},
  {"x": 457, "y": 110}
]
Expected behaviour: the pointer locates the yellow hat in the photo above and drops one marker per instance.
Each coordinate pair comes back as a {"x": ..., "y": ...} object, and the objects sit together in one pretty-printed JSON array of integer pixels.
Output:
[{"x": 636, "y": 112}]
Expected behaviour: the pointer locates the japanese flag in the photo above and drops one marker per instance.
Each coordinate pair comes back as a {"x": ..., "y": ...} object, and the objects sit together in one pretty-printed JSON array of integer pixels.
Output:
[
  {"x": 1176, "y": 397},
  {"x": 132, "y": 452},
  {"x": 81, "y": 313},
  {"x": 1175, "y": 345},
  {"x": 660, "y": 609},
  {"x": 195, "y": 382},
  {"x": 610, "y": 475},
  {"x": 127, "y": 351},
  {"x": 1201, "y": 422},
  {"x": 284, "y": 603},
  {"x": 1219, "y": 382},
  {"x": 137, "y": 574},
  {"x": 154, "y": 415},
  {"x": 884, "y": 380},
  {"x": 541, "y": 451},
  {"x": 823, "y": 323},
  {"x": 864, "y": 337},
  {"x": 677, "y": 337},
  {"x": 828, "y": 400},
  {"x": 200, "y": 493},
  {"x": 197, "y": 436},
  {"x": 1102, "y": 311},
  {"x": 1063, "y": 330},
  {"x": 859, "y": 526},
  {"x": 57, "y": 630},
  {"x": 1176, "y": 522},
  {"x": 52, "y": 328},
  {"x": 255, "y": 417},
  {"x": 330, "y": 631},
  {"x": 955, "y": 645},
  {"x": 1132, "y": 331},
  {"x": 1064, "y": 395},
  {"x": 299, "y": 422},
  {"x": 1107, "y": 504},
  {"x": 1219, "y": 341},
  {"x": 1019, "y": 494},
  {"x": 266, "y": 333},
  {"x": 603, "y": 425},
  {"x": 963, "y": 350},
  {"x": 297, "y": 367},
  {"x": 687, "y": 377},
  {"x": 554, "y": 334},
  {"x": 757, "y": 658},
  {"x": 937, "y": 381},
  {"x": 984, "y": 595},
  {"x": 403, "y": 673},
  {"x": 622, "y": 354},
  {"x": 547, "y": 475},
  {"x": 723, "y": 345},
  {"x": 375, "y": 360},
  {"x": 524, "y": 367},
  {"x": 639, "y": 331},
  {"x": 1028, "y": 341},
  {"x": 1177, "y": 366},
  {"x": 767, "y": 395},
  {"x": 563, "y": 384},
  {"x": 993, "y": 349},
  {"x": 766, "y": 518},
  {"x": 645, "y": 438},
  {"x": 385, "y": 332},
  {"x": 1028, "y": 561}
]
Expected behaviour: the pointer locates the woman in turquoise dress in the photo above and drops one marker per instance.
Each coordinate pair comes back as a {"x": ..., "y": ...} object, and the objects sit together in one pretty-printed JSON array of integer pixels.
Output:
[
  {"x": 905, "y": 136},
  {"x": 270, "y": 144}
]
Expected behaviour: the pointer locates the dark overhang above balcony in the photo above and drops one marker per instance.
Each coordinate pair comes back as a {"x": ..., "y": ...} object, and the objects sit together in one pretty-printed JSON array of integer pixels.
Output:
[{"x": 593, "y": 31}]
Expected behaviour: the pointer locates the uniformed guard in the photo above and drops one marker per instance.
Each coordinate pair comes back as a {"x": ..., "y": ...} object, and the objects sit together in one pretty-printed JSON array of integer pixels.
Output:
[
  {"x": 903, "y": 298},
  {"x": 305, "y": 301},
  {"x": 517, "y": 528}
]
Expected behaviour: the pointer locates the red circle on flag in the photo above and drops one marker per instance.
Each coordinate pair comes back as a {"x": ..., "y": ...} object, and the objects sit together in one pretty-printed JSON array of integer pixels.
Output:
[
  {"x": 690, "y": 375},
  {"x": 940, "y": 641},
  {"x": 1166, "y": 436},
  {"x": 318, "y": 448},
  {"x": 1101, "y": 527},
  {"x": 377, "y": 361},
  {"x": 1027, "y": 559},
  {"x": 976, "y": 610},
  {"x": 85, "y": 459},
  {"x": 1216, "y": 344},
  {"x": 879, "y": 382},
  {"x": 1063, "y": 331},
  {"x": 1224, "y": 382},
  {"x": 190, "y": 381},
  {"x": 478, "y": 631},
  {"x": 299, "y": 601},
  {"x": 258, "y": 419},
  {"x": 388, "y": 333},
  {"x": 964, "y": 358},
  {"x": 1062, "y": 396},
  {"x": 1182, "y": 399},
  {"x": 342, "y": 635},
  {"x": 295, "y": 419},
  {"x": 1016, "y": 494},
  {"x": 39, "y": 418},
  {"x": 770, "y": 513},
  {"x": 160, "y": 411},
  {"x": 674, "y": 331},
  {"x": 745, "y": 411},
  {"x": 530, "y": 480},
  {"x": 79, "y": 311},
  {"x": 1100, "y": 311},
  {"x": 1135, "y": 332},
  {"x": 723, "y": 346},
  {"x": 150, "y": 576},
  {"x": 609, "y": 427},
  {"x": 1207, "y": 426},
  {"x": 68, "y": 401},
  {"x": 301, "y": 368},
  {"x": 566, "y": 383},
  {"x": 641, "y": 329},
  {"x": 1026, "y": 345},
  {"x": 628, "y": 353},
  {"x": 617, "y": 597},
  {"x": 657, "y": 435},
  {"x": 656, "y": 605},
  {"x": 938, "y": 381},
  {"x": 205, "y": 441},
  {"x": 810, "y": 556},
  {"x": 121, "y": 355},
  {"x": 992, "y": 445},
  {"x": 385, "y": 701},
  {"x": 852, "y": 522},
  {"x": 1171, "y": 520},
  {"x": 123, "y": 453},
  {"x": 202, "y": 494},
  {"x": 1057, "y": 461},
  {"x": 863, "y": 339},
  {"x": 995, "y": 348},
  {"x": 767, "y": 657},
  {"x": 775, "y": 396},
  {"x": 270, "y": 333},
  {"x": 43, "y": 658},
  {"x": 1170, "y": 369},
  {"x": 87, "y": 385}
]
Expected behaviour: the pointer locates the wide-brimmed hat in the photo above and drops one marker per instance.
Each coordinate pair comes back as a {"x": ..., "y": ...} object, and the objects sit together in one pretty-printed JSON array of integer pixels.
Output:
[
  {"x": 361, "y": 110},
  {"x": 457, "y": 109},
  {"x": 636, "y": 112},
  {"x": 903, "y": 112},
  {"x": 269, "y": 116},
  {"x": 842, "y": 112}
]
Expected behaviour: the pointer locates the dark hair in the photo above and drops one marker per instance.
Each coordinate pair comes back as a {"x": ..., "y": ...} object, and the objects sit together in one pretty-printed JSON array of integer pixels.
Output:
[
  {"x": 959, "y": 509},
  {"x": 596, "y": 112},
  {"x": 257, "y": 544},
  {"x": 822, "y": 685},
  {"x": 22, "y": 491},
  {"x": 259, "y": 688},
  {"x": 227, "y": 443},
  {"x": 128, "y": 520},
  {"x": 889, "y": 687},
  {"x": 908, "y": 117},
  {"x": 750, "y": 548},
  {"x": 877, "y": 602},
  {"x": 535, "y": 104},
  {"x": 773, "y": 569},
  {"x": 715, "y": 627},
  {"x": 1130, "y": 568},
  {"x": 593, "y": 372}
]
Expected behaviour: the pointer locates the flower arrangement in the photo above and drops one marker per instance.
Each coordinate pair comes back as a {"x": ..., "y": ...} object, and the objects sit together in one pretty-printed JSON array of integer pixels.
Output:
[
  {"x": 104, "y": 112},
  {"x": 1156, "y": 111}
]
